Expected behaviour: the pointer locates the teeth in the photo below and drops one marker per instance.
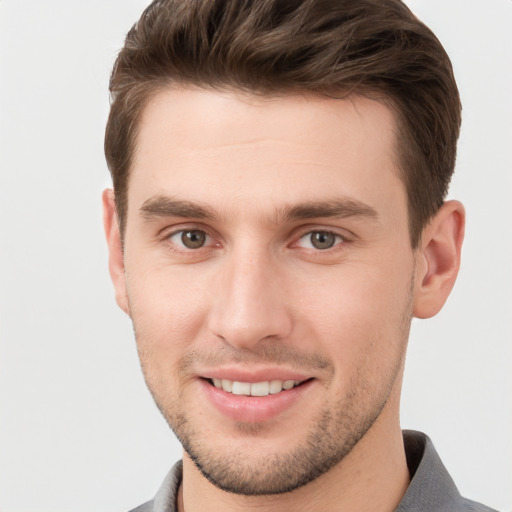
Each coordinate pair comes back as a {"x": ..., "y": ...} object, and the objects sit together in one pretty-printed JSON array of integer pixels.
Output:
[
  {"x": 227, "y": 385},
  {"x": 256, "y": 388},
  {"x": 288, "y": 384},
  {"x": 241, "y": 388},
  {"x": 260, "y": 389},
  {"x": 276, "y": 386}
]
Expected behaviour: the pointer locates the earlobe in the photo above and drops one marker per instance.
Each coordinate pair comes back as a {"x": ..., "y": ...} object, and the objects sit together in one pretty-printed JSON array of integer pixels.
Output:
[
  {"x": 115, "y": 249},
  {"x": 439, "y": 259}
]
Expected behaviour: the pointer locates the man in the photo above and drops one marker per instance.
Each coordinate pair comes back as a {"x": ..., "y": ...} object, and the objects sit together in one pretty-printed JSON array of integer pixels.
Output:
[{"x": 277, "y": 219}]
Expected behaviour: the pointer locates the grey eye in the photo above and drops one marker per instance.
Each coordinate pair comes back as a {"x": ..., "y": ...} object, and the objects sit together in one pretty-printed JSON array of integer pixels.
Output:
[{"x": 320, "y": 240}]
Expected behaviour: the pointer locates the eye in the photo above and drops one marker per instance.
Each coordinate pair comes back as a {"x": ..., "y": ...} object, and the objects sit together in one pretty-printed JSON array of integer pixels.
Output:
[
  {"x": 190, "y": 238},
  {"x": 320, "y": 240}
]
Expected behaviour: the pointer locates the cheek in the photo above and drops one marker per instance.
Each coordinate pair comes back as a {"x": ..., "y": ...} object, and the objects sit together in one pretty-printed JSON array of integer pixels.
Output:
[
  {"x": 359, "y": 313},
  {"x": 166, "y": 307},
  {"x": 165, "y": 311}
]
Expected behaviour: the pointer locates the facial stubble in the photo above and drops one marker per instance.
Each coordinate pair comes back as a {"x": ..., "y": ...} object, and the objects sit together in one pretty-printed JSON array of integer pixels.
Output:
[{"x": 339, "y": 427}]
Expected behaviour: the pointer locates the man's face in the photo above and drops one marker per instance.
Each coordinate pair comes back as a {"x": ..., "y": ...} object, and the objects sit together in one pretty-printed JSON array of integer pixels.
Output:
[{"x": 267, "y": 246}]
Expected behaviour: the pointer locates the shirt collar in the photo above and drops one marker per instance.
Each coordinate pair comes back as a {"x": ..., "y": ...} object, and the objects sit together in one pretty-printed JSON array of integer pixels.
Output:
[{"x": 431, "y": 486}]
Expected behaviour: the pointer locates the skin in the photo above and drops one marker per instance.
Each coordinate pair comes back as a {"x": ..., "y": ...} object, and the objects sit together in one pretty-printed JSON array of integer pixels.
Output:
[{"x": 259, "y": 297}]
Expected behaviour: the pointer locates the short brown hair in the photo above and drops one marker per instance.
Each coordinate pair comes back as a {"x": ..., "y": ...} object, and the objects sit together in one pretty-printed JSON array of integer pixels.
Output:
[{"x": 274, "y": 47}]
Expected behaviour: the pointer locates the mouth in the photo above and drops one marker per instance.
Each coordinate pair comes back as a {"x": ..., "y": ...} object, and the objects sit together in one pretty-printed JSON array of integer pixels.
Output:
[
  {"x": 254, "y": 400},
  {"x": 263, "y": 388}
]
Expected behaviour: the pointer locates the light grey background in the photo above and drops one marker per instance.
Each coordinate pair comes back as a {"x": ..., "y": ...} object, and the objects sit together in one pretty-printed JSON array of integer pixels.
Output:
[{"x": 78, "y": 430}]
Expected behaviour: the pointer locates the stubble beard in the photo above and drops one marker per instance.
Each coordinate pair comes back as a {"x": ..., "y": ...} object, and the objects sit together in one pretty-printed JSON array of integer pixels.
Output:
[
  {"x": 331, "y": 438},
  {"x": 339, "y": 427}
]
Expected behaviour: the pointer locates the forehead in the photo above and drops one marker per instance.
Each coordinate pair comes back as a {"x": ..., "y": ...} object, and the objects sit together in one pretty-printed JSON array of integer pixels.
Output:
[
  {"x": 219, "y": 146},
  {"x": 208, "y": 118}
]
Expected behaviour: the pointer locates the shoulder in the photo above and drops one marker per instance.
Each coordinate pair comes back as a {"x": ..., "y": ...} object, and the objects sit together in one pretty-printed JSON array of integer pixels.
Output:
[
  {"x": 165, "y": 499},
  {"x": 432, "y": 488},
  {"x": 473, "y": 506},
  {"x": 146, "y": 507}
]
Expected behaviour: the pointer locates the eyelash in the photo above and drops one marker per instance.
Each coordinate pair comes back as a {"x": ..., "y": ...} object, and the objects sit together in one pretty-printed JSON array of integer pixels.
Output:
[
  {"x": 180, "y": 248},
  {"x": 337, "y": 239}
]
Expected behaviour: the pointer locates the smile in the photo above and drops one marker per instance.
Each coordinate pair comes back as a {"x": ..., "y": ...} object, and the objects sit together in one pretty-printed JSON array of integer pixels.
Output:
[
  {"x": 251, "y": 399},
  {"x": 264, "y": 388}
]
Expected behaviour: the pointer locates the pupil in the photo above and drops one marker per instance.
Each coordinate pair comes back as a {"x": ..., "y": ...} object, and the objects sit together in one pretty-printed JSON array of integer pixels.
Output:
[
  {"x": 193, "y": 239},
  {"x": 322, "y": 240}
]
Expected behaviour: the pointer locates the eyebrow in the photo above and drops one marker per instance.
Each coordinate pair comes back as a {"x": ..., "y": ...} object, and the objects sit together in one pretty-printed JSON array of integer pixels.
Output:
[
  {"x": 334, "y": 208},
  {"x": 163, "y": 206},
  {"x": 160, "y": 206}
]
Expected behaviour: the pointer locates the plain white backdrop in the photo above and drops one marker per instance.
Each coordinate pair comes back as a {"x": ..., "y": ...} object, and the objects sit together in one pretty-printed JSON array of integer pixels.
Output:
[{"x": 78, "y": 429}]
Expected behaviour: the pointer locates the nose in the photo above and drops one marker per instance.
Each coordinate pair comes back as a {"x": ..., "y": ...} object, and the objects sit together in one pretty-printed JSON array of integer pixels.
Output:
[{"x": 250, "y": 302}]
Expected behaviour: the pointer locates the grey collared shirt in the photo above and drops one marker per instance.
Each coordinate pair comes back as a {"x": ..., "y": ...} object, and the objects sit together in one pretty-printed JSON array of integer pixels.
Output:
[{"x": 431, "y": 488}]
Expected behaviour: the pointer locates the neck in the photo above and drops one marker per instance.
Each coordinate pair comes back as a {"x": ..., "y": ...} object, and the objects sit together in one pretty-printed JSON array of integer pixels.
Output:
[{"x": 372, "y": 477}]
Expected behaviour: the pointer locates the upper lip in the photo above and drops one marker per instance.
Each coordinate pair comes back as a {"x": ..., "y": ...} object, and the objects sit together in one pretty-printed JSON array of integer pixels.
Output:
[{"x": 256, "y": 375}]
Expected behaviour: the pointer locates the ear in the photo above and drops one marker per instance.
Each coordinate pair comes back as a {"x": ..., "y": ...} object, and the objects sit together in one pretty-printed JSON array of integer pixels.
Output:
[
  {"x": 115, "y": 249},
  {"x": 438, "y": 259}
]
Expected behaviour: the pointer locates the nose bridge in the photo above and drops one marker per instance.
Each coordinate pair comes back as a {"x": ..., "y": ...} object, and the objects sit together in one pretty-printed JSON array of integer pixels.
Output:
[{"x": 250, "y": 303}]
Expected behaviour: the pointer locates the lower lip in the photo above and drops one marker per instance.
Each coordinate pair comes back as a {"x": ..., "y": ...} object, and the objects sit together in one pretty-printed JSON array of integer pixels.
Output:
[{"x": 253, "y": 409}]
